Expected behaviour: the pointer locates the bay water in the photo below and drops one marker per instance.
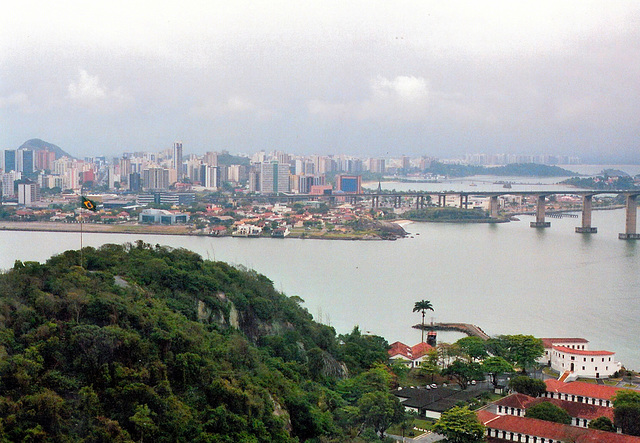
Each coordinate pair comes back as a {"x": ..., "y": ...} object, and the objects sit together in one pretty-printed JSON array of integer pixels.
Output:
[{"x": 506, "y": 278}]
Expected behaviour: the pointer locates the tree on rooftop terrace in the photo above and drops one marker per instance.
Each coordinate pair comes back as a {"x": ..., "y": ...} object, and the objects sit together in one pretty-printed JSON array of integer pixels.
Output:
[
  {"x": 549, "y": 412},
  {"x": 423, "y": 306}
]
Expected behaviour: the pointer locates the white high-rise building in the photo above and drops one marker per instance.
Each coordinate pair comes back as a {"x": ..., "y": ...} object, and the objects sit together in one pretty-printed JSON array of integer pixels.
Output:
[
  {"x": 274, "y": 178},
  {"x": 27, "y": 193},
  {"x": 177, "y": 159}
]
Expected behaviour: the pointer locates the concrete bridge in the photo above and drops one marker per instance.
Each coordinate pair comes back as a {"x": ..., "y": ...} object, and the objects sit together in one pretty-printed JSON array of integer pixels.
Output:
[{"x": 422, "y": 199}]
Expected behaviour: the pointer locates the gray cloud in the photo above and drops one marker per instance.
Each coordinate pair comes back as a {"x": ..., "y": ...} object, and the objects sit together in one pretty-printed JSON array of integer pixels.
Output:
[{"x": 366, "y": 77}]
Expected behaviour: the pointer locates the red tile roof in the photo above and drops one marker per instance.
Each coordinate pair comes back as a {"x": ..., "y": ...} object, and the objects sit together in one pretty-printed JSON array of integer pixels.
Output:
[
  {"x": 577, "y": 409},
  {"x": 399, "y": 348},
  {"x": 581, "y": 352},
  {"x": 573, "y": 408},
  {"x": 582, "y": 388},
  {"x": 485, "y": 416},
  {"x": 548, "y": 342},
  {"x": 420, "y": 349},
  {"x": 410, "y": 352},
  {"x": 555, "y": 431},
  {"x": 515, "y": 401}
]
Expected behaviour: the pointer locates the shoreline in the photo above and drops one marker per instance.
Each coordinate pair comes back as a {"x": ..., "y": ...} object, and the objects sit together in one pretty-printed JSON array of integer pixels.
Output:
[{"x": 175, "y": 230}]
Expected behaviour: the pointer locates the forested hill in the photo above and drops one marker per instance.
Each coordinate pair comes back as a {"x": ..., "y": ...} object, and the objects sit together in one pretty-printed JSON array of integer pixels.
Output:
[
  {"x": 514, "y": 169},
  {"x": 147, "y": 343}
]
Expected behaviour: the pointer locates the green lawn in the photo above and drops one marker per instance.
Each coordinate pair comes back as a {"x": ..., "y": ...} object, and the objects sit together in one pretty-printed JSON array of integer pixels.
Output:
[{"x": 421, "y": 423}]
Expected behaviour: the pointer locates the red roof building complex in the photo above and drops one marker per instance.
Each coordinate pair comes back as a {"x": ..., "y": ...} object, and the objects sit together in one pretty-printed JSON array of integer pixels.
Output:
[{"x": 412, "y": 356}]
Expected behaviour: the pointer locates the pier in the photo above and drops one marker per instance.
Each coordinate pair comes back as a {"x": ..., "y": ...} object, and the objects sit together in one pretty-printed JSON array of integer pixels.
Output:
[{"x": 465, "y": 328}]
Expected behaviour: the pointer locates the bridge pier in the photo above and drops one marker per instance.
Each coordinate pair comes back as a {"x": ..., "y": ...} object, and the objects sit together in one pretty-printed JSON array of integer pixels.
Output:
[
  {"x": 586, "y": 227},
  {"x": 540, "y": 209},
  {"x": 493, "y": 206},
  {"x": 464, "y": 201},
  {"x": 630, "y": 224},
  {"x": 442, "y": 200}
]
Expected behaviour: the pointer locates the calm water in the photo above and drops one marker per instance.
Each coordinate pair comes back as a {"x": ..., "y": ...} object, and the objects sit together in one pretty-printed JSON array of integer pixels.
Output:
[{"x": 506, "y": 278}]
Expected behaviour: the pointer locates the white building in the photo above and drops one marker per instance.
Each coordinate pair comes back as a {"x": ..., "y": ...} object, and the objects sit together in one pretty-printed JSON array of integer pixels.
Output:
[
  {"x": 274, "y": 178},
  {"x": 572, "y": 355},
  {"x": 583, "y": 363},
  {"x": 28, "y": 194},
  {"x": 247, "y": 231},
  {"x": 549, "y": 343}
]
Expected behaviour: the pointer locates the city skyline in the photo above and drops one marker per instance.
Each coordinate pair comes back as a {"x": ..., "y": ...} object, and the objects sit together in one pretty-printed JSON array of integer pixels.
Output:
[{"x": 377, "y": 78}]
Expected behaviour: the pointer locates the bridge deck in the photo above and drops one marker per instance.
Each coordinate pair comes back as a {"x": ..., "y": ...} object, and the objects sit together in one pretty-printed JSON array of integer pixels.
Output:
[{"x": 466, "y": 328}]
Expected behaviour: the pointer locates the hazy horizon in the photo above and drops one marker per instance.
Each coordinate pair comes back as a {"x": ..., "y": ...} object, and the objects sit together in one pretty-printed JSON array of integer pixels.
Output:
[{"x": 370, "y": 78}]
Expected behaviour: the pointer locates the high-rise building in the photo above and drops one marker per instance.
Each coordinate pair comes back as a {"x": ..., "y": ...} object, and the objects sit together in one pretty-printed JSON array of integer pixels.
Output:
[
  {"x": 9, "y": 160},
  {"x": 27, "y": 193},
  {"x": 44, "y": 159},
  {"x": 210, "y": 176},
  {"x": 177, "y": 159},
  {"x": 349, "y": 184},
  {"x": 155, "y": 178},
  {"x": 8, "y": 182},
  {"x": 211, "y": 158},
  {"x": 274, "y": 178},
  {"x": 135, "y": 184},
  {"x": 24, "y": 161}
]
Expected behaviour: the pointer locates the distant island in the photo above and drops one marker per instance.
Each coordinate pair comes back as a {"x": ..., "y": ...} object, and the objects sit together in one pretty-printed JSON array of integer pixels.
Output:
[
  {"x": 607, "y": 179},
  {"x": 514, "y": 169},
  {"x": 451, "y": 215}
]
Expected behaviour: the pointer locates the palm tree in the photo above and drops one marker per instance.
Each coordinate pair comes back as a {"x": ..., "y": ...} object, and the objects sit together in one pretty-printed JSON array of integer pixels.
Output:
[{"x": 422, "y": 306}]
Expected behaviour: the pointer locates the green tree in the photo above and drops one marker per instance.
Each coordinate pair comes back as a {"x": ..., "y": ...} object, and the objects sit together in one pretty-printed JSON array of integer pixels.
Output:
[
  {"x": 602, "y": 424},
  {"x": 380, "y": 410},
  {"x": 520, "y": 350},
  {"x": 460, "y": 425},
  {"x": 549, "y": 412},
  {"x": 472, "y": 347},
  {"x": 422, "y": 306},
  {"x": 430, "y": 365},
  {"x": 361, "y": 351},
  {"x": 463, "y": 372},
  {"x": 626, "y": 411},
  {"x": 495, "y": 366},
  {"x": 528, "y": 386}
]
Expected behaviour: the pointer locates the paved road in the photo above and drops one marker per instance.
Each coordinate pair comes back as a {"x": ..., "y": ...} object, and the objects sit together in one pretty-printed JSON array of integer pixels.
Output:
[{"x": 428, "y": 437}]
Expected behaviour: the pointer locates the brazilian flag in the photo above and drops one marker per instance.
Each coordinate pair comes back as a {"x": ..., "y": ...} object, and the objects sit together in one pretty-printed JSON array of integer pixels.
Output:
[{"x": 88, "y": 204}]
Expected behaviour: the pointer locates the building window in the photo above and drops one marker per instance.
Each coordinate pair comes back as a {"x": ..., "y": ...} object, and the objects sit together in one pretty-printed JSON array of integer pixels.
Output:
[
  {"x": 592, "y": 359},
  {"x": 572, "y": 357},
  {"x": 583, "y": 368}
]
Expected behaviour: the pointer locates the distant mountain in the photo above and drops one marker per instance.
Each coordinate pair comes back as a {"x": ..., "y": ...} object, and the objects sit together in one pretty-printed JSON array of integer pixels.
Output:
[{"x": 35, "y": 144}]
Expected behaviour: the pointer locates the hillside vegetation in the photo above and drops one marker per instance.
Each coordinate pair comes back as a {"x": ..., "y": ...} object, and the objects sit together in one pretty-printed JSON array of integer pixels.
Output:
[{"x": 148, "y": 343}]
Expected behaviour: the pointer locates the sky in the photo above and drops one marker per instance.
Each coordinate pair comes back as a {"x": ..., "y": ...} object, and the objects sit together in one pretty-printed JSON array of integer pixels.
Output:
[{"x": 363, "y": 78}]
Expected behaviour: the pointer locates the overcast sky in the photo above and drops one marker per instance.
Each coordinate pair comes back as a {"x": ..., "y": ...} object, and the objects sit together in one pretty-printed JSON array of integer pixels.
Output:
[{"x": 379, "y": 78}]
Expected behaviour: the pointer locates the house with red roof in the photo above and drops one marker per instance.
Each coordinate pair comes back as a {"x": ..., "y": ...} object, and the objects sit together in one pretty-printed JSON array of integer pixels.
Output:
[
  {"x": 412, "y": 356},
  {"x": 513, "y": 428}
]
